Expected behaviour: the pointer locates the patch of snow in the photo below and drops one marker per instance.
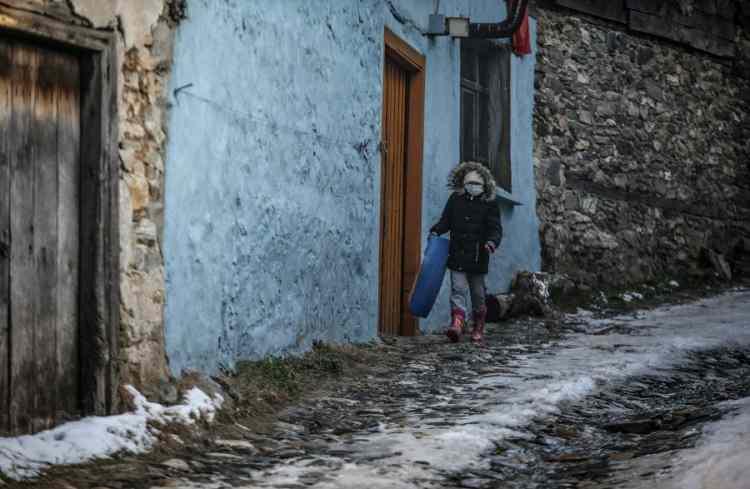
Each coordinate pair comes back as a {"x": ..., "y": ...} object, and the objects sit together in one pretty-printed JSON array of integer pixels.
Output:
[
  {"x": 631, "y": 296},
  {"x": 241, "y": 444},
  {"x": 541, "y": 288},
  {"x": 674, "y": 283},
  {"x": 719, "y": 461},
  {"x": 416, "y": 451},
  {"x": 408, "y": 382},
  {"x": 95, "y": 437},
  {"x": 176, "y": 439},
  {"x": 583, "y": 313},
  {"x": 418, "y": 366},
  {"x": 177, "y": 464}
]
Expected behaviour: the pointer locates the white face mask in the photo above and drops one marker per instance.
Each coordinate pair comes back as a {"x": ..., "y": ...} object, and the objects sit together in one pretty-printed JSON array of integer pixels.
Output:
[{"x": 474, "y": 189}]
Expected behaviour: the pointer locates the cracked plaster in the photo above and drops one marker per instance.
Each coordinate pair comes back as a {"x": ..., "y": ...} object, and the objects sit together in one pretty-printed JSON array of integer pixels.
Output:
[
  {"x": 273, "y": 181},
  {"x": 137, "y": 17}
]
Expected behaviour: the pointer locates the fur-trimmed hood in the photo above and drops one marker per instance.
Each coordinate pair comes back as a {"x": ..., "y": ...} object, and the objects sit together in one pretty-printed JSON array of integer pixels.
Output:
[{"x": 456, "y": 179}]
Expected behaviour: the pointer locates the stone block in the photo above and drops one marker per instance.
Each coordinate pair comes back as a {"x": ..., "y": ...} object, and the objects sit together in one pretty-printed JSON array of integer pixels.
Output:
[
  {"x": 146, "y": 232},
  {"x": 499, "y": 307},
  {"x": 139, "y": 192},
  {"x": 719, "y": 264},
  {"x": 554, "y": 172},
  {"x": 531, "y": 295},
  {"x": 585, "y": 116},
  {"x": 606, "y": 109},
  {"x": 125, "y": 215},
  {"x": 146, "y": 367},
  {"x": 645, "y": 55}
]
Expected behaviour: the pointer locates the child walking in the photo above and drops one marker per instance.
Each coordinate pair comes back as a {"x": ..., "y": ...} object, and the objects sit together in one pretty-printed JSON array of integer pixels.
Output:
[{"x": 472, "y": 216}]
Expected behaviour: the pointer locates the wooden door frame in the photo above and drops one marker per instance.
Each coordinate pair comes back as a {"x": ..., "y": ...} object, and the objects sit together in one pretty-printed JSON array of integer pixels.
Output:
[
  {"x": 414, "y": 63},
  {"x": 98, "y": 301}
]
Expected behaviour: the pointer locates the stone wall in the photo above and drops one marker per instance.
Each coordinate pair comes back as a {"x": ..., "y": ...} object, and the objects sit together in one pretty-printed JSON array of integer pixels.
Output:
[
  {"x": 144, "y": 51},
  {"x": 641, "y": 156}
]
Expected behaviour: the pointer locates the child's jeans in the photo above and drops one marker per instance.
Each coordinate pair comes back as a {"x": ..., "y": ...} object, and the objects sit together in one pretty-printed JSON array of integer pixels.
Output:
[{"x": 465, "y": 284}]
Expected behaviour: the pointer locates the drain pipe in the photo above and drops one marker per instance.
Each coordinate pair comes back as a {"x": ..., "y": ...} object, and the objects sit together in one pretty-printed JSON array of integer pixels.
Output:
[
  {"x": 440, "y": 25},
  {"x": 505, "y": 28}
]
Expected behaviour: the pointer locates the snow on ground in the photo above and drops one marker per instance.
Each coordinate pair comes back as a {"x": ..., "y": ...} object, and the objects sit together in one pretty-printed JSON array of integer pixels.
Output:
[
  {"x": 27, "y": 456},
  {"x": 403, "y": 455},
  {"x": 632, "y": 296},
  {"x": 722, "y": 458},
  {"x": 718, "y": 461},
  {"x": 414, "y": 452}
]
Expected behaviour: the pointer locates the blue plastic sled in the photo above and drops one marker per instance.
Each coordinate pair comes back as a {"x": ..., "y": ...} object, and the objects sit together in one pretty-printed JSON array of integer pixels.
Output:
[{"x": 430, "y": 278}]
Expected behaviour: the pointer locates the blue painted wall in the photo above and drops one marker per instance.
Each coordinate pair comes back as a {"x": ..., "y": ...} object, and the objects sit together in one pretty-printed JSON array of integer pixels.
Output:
[{"x": 273, "y": 171}]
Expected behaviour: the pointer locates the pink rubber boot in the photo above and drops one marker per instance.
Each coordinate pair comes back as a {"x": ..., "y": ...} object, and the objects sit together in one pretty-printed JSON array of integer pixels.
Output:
[
  {"x": 480, "y": 316},
  {"x": 458, "y": 318}
]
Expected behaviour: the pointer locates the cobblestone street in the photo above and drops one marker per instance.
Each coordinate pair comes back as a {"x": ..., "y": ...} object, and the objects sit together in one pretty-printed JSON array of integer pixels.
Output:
[{"x": 581, "y": 402}]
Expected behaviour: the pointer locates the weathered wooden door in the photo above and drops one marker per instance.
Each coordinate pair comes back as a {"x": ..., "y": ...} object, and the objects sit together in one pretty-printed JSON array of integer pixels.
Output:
[
  {"x": 39, "y": 235},
  {"x": 403, "y": 93}
]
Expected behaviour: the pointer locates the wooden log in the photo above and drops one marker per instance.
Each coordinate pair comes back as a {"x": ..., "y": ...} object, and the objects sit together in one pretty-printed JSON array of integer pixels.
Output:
[
  {"x": 743, "y": 16},
  {"x": 705, "y": 21},
  {"x": 23, "y": 273},
  {"x": 610, "y": 9},
  {"x": 68, "y": 163},
  {"x": 654, "y": 7},
  {"x": 43, "y": 140},
  {"x": 720, "y": 8},
  {"x": 49, "y": 29},
  {"x": 89, "y": 343},
  {"x": 651, "y": 24},
  {"x": 706, "y": 6},
  {"x": 99, "y": 243},
  {"x": 94, "y": 328},
  {"x": 710, "y": 24},
  {"x": 727, "y": 9},
  {"x": 110, "y": 217},
  {"x": 56, "y": 10},
  {"x": 6, "y": 56}
]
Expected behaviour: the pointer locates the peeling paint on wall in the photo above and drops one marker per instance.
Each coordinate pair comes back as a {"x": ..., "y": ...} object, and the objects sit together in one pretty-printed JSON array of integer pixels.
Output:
[
  {"x": 271, "y": 210},
  {"x": 134, "y": 18},
  {"x": 273, "y": 181}
]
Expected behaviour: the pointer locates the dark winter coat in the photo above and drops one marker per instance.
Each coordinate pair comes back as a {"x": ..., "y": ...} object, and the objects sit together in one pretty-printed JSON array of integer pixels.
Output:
[{"x": 472, "y": 222}]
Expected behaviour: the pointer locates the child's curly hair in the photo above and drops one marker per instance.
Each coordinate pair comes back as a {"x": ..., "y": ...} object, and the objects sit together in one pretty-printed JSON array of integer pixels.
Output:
[{"x": 456, "y": 178}]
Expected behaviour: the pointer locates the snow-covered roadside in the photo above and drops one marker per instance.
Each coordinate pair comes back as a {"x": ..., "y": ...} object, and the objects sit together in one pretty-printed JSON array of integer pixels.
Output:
[
  {"x": 720, "y": 461},
  {"x": 27, "y": 456},
  {"x": 415, "y": 452}
]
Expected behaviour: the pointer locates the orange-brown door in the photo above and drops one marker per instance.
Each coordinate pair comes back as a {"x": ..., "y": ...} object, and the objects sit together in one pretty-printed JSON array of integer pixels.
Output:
[
  {"x": 403, "y": 93},
  {"x": 392, "y": 209}
]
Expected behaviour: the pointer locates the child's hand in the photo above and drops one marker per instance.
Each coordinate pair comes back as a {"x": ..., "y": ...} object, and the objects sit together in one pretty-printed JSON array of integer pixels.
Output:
[{"x": 490, "y": 247}]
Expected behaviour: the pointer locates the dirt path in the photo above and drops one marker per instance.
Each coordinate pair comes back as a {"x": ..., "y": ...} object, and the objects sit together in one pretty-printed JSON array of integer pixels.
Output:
[{"x": 578, "y": 402}]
